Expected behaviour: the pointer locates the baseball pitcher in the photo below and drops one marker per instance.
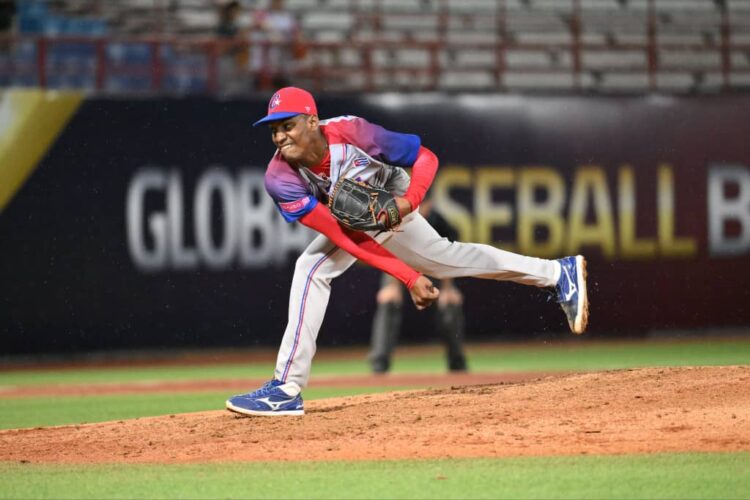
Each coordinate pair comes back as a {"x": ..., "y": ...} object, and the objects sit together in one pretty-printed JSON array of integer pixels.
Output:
[{"x": 345, "y": 178}]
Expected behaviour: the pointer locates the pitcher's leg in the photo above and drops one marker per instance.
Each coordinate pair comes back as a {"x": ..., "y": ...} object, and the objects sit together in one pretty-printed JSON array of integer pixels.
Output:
[
  {"x": 420, "y": 246},
  {"x": 308, "y": 299}
]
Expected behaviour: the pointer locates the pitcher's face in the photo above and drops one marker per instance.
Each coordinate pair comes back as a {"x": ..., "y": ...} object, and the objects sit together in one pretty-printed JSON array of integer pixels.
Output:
[{"x": 294, "y": 136}]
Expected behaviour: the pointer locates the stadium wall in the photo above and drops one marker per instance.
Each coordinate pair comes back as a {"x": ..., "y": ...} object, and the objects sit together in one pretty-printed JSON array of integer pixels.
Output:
[{"x": 145, "y": 224}]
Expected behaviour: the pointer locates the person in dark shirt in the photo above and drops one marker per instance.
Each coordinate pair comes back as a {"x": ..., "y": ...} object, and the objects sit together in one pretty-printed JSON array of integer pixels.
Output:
[
  {"x": 7, "y": 11},
  {"x": 228, "y": 13}
]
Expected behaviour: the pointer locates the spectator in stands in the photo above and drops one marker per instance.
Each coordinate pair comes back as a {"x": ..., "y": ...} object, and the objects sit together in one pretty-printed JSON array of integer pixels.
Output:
[
  {"x": 449, "y": 315},
  {"x": 234, "y": 51},
  {"x": 228, "y": 26},
  {"x": 7, "y": 12},
  {"x": 279, "y": 45}
]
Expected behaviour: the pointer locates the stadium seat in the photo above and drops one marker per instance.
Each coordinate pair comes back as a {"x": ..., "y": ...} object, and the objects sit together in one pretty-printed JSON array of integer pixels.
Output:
[
  {"x": 463, "y": 80},
  {"x": 537, "y": 36}
]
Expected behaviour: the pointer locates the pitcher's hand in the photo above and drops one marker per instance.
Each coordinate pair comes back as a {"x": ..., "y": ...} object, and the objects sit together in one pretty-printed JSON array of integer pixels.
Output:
[
  {"x": 423, "y": 293},
  {"x": 404, "y": 207}
]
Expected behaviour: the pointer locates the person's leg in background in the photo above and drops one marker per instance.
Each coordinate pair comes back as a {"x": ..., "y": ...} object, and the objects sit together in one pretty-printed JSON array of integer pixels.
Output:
[
  {"x": 386, "y": 323},
  {"x": 451, "y": 325}
]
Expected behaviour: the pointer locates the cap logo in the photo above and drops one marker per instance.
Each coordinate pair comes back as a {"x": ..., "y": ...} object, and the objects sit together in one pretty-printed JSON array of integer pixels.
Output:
[{"x": 275, "y": 101}]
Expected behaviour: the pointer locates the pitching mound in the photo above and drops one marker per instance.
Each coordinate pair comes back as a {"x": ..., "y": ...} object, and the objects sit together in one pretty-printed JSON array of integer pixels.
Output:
[{"x": 628, "y": 411}]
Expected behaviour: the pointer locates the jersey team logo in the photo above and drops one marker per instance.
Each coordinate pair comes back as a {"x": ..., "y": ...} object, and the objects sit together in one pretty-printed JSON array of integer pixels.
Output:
[{"x": 361, "y": 161}]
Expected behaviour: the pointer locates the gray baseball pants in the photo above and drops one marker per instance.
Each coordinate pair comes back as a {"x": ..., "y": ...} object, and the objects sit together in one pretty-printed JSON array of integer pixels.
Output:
[{"x": 417, "y": 244}]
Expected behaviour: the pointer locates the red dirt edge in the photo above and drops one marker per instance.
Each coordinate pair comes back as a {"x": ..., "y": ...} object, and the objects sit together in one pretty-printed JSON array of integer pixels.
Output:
[{"x": 233, "y": 386}]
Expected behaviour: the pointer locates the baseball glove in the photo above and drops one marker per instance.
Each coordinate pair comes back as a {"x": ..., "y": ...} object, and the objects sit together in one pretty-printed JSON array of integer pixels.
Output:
[{"x": 361, "y": 207}]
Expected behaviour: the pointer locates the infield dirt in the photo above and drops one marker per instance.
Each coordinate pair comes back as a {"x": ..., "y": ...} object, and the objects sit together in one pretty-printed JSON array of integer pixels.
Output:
[{"x": 625, "y": 411}]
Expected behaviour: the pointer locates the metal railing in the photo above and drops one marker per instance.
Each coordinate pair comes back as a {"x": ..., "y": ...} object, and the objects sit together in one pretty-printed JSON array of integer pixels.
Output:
[{"x": 210, "y": 65}]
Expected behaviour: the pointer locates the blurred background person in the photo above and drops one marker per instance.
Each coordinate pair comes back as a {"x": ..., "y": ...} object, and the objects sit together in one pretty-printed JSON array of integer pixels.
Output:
[
  {"x": 234, "y": 51},
  {"x": 7, "y": 14},
  {"x": 228, "y": 25},
  {"x": 450, "y": 324},
  {"x": 277, "y": 45}
]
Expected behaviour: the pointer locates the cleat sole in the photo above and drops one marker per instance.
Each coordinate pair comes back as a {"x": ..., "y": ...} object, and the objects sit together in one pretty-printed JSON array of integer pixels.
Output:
[
  {"x": 280, "y": 413},
  {"x": 582, "y": 318}
]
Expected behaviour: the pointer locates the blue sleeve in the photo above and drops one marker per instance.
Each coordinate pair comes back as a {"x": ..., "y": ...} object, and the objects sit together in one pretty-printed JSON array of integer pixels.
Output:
[
  {"x": 397, "y": 148},
  {"x": 393, "y": 148}
]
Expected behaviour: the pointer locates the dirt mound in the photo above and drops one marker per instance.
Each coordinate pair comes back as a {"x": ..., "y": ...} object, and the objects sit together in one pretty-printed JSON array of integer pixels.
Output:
[{"x": 626, "y": 411}]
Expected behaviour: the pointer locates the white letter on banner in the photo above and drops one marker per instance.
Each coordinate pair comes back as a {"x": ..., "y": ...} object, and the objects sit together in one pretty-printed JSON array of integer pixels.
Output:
[
  {"x": 145, "y": 259},
  {"x": 256, "y": 211},
  {"x": 722, "y": 208},
  {"x": 215, "y": 179},
  {"x": 181, "y": 256}
]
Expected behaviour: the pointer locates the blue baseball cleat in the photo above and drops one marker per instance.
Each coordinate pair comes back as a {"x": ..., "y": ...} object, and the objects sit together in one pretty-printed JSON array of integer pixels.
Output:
[
  {"x": 572, "y": 294},
  {"x": 270, "y": 400}
]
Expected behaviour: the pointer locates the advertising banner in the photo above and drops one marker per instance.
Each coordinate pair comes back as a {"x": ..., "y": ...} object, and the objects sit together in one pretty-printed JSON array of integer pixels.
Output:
[{"x": 146, "y": 223}]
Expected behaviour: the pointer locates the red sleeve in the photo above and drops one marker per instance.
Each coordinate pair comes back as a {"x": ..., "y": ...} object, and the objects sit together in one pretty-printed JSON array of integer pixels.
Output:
[
  {"x": 360, "y": 245},
  {"x": 422, "y": 175}
]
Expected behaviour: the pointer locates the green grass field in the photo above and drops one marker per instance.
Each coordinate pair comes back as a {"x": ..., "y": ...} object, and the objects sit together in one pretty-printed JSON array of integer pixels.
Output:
[
  {"x": 643, "y": 476},
  {"x": 637, "y": 476},
  {"x": 490, "y": 357}
]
